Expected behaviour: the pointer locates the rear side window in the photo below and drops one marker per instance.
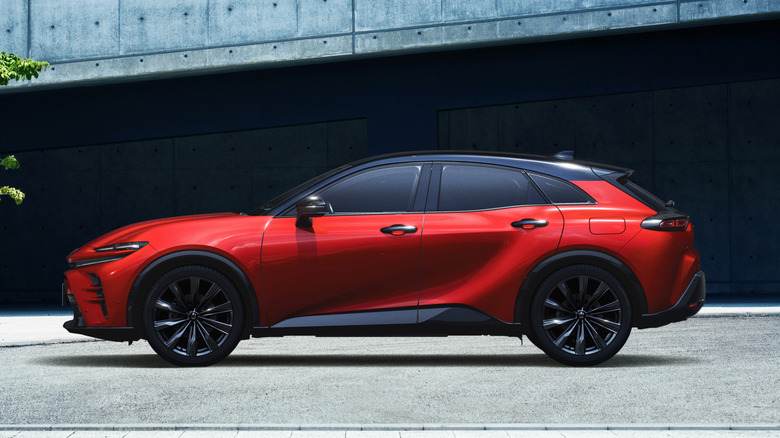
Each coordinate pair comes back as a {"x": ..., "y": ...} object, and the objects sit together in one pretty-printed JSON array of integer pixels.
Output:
[
  {"x": 560, "y": 191},
  {"x": 477, "y": 187},
  {"x": 382, "y": 190},
  {"x": 641, "y": 194}
]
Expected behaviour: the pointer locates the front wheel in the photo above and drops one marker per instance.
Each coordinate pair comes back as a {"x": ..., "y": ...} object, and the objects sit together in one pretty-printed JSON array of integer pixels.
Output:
[
  {"x": 580, "y": 315},
  {"x": 193, "y": 316}
]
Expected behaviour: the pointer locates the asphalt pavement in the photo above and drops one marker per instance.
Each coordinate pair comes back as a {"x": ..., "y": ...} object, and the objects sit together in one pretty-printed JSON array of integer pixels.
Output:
[{"x": 713, "y": 375}]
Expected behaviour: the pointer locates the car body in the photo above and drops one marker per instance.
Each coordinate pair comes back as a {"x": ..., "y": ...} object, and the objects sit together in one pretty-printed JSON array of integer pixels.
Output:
[{"x": 570, "y": 253}]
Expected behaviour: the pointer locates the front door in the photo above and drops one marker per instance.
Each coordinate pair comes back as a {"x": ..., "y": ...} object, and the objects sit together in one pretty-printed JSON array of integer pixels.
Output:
[{"x": 360, "y": 264}]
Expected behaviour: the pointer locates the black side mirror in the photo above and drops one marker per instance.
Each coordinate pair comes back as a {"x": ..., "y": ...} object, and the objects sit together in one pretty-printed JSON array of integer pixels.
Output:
[{"x": 309, "y": 207}]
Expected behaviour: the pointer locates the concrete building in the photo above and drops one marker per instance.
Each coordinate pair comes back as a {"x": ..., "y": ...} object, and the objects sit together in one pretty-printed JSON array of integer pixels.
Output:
[{"x": 154, "y": 108}]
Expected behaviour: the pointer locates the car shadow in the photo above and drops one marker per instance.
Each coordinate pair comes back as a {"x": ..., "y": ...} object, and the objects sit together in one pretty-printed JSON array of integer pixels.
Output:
[{"x": 363, "y": 360}]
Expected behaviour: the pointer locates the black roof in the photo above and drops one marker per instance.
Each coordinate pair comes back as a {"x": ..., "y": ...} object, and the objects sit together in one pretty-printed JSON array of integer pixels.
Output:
[{"x": 572, "y": 170}]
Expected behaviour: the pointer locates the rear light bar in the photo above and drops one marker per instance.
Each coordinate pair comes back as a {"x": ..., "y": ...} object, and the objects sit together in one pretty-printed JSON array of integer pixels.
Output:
[{"x": 666, "y": 222}]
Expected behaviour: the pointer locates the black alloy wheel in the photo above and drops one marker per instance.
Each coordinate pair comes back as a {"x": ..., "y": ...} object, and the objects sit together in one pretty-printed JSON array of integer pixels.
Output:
[
  {"x": 580, "y": 315},
  {"x": 193, "y": 316}
]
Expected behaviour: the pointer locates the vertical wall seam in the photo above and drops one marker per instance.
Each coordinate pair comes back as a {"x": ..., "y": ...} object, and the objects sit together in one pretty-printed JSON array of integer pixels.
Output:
[
  {"x": 29, "y": 31},
  {"x": 119, "y": 26},
  {"x": 354, "y": 25},
  {"x": 728, "y": 181},
  {"x": 652, "y": 141}
]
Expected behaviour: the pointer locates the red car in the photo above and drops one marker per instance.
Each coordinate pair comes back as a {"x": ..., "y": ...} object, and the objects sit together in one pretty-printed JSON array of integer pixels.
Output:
[{"x": 570, "y": 253}]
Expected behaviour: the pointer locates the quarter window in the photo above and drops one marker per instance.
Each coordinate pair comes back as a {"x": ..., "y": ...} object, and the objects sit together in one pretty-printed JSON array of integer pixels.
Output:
[
  {"x": 382, "y": 190},
  {"x": 559, "y": 191},
  {"x": 476, "y": 187}
]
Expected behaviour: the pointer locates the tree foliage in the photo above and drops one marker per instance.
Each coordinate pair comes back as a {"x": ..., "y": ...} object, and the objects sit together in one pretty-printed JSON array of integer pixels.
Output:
[
  {"x": 10, "y": 162},
  {"x": 15, "y": 67}
]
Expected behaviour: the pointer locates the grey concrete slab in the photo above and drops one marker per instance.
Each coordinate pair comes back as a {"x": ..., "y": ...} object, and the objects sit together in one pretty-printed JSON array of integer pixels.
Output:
[
  {"x": 13, "y": 27},
  {"x": 347, "y": 141},
  {"x": 213, "y": 190},
  {"x": 73, "y": 30},
  {"x": 387, "y": 14},
  {"x": 151, "y": 25},
  {"x": 527, "y": 7},
  {"x": 455, "y": 10},
  {"x": 323, "y": 17},
  {"x": 249, "y": 21},
  {"x": 137, "y": 155},
  {"x": 691, "y": 124},
  {"x": 753, "y": 132},
  {"x": 215, "y": 151},
  {"x": 474, "y": 129},
  {"x": 754, "y": 203},
  {"x": 701, "y": 189},
  {"x": 543, "y": 128},
  {"x": 128, "y": 196},
  {"x": 293, "y": 146},
  {"x": 700, "y": 10}
]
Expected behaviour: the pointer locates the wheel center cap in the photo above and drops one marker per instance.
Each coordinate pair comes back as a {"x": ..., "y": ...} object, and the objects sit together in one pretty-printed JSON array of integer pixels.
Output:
[
  {"x": 581, "y": 314},
  {"x": 193, "y": 315}
]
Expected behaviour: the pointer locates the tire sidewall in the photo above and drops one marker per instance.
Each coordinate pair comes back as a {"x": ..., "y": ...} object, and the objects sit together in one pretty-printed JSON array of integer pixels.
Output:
[
  {"x": 540, "y": 336},
  {"x": 162, "y": 284}
]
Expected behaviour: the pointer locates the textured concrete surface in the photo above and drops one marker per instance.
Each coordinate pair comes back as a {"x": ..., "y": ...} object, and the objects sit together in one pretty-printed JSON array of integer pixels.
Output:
[
  {"x": 89, "y": 40},
  {"x": 705, "y": 370}
]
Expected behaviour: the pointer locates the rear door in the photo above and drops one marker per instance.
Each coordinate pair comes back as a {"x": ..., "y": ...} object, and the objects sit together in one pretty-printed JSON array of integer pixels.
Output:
[{"x": 485, "y": 227}]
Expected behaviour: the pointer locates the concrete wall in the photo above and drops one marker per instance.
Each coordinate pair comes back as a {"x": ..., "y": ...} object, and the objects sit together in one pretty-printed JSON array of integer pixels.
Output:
[
  {"x": 75, "y": 194},
  {"x": 714, "y": 150},
  {"x": 116, "y": 40}
]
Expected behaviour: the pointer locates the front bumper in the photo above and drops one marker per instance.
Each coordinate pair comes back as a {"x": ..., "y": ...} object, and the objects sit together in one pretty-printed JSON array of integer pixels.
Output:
[
  {"x": 688, "y": 305},
  {"x": 78, "y": 326}
]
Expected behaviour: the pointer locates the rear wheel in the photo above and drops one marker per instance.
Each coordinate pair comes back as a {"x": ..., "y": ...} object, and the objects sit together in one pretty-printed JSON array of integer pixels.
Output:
[
  {"x": 193, "y": 316},
  {"x": 580, "y": 315}
]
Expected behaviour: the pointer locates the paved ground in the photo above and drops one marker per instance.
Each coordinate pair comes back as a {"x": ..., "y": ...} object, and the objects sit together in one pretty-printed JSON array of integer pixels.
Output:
[{"x": 705, "y": 370}]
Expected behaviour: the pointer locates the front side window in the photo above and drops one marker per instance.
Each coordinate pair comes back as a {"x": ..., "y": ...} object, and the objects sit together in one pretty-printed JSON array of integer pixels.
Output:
[
  {"x": 384, "y": 190},
  {"x": 476, "y": 187}
]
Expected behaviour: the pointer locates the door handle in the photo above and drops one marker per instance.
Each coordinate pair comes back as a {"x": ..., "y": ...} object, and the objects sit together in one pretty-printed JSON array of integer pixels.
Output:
[
  {"x": 530, "y": 224},
  {"x": 399, "y": 229}
]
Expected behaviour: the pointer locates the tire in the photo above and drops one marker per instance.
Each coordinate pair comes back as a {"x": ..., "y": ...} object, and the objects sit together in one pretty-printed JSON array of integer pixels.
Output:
[
  {"x": 580, "y": 315},
  {"x": 193, "y": 316}
]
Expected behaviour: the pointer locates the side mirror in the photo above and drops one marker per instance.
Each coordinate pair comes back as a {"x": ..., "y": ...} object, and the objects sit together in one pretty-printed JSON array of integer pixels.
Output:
[{"x": 309, "y": 207}]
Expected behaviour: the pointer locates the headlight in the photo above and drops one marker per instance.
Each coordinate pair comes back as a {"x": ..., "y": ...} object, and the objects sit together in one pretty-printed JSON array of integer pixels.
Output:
[
  {"x": 120, "y": 250},
  {"x": 129, "y": 246}
]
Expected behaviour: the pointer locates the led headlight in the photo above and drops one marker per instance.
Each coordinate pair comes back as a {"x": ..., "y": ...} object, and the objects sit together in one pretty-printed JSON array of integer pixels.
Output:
[
  {"x": 128, "y": 246},
  {"x": 122, "y": 249}
]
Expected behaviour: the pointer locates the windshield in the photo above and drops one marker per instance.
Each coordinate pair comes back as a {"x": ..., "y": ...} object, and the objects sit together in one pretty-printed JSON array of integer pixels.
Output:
[{"x": 275, "y": 202}]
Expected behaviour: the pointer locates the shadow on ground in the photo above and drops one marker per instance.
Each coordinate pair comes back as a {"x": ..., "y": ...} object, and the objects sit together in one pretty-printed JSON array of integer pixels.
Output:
[{"x": 359, "y": 360}]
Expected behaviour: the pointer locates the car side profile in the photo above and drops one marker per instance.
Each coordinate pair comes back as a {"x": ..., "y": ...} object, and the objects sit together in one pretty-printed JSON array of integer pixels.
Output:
[{"x": 570, "y": 253}]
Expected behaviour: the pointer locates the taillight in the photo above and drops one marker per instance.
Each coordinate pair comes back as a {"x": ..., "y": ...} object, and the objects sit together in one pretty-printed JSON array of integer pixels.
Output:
[{"x": 666, "y": 222}]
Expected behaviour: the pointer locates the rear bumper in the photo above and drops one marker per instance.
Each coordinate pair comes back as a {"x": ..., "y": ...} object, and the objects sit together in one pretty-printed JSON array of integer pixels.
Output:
[{"x": 688, "y": 305}]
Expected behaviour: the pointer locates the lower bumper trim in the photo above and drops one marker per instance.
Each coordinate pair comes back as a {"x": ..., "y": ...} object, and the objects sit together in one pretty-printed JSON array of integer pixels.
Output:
[
  {"x": 119, "y": 334},
  {"x": 688, "y": 305}
]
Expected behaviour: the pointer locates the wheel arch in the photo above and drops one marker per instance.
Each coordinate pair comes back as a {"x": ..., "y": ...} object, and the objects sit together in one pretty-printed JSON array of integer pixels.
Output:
[
  {"x": 177, "y": 259},
  {"x": 602, "y": 260}
]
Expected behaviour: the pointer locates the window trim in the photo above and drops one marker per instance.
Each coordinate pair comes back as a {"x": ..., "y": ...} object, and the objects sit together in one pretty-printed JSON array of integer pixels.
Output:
[
  {"x": 420, "y": 192},
  {"x": 432, "y": 206}
]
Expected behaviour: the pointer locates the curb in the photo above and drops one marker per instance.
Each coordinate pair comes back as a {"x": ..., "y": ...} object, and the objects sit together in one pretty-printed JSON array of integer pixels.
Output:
[{"x": 392, "y": 427}]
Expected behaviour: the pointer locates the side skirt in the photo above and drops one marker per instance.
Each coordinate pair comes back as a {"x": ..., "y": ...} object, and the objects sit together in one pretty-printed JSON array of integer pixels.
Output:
[{"x": 433, "y": 321}]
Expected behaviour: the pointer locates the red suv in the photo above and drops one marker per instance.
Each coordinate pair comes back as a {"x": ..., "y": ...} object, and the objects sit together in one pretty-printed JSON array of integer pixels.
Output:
[{"x": 570, "y": 253}]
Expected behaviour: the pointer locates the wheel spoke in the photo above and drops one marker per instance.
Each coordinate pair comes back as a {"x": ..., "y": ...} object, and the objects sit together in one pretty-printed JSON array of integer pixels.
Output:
[
  {"x": 174, "y": 288},
  {"x": 597, "y": 294},
  {"x": 563, "y": 287},
  {"x": 222, "y": 308},
  {"x": 194, "y": 286},
  {"x": 210, "y": 342},
  {"x": 555, "y": 322},
  {"x": 210, "y": 294},
  {"x": 583, "y": 283},
  {"x": 221, "y": 326},
  {"x": 601, "y": 322},
  {"x": 606, "y": 308},
  {"x": 594, "y": 334},
  {"x": 176, "y": 336},
  {"x": 192, "y": 344},
  {"x": 565, "y": 335},
  {"x": 557, "y": 306},
  {"x": 164, "y": 324},
  {"x": 164, "y": 305},
  {"x": 579, "y": 347}
]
